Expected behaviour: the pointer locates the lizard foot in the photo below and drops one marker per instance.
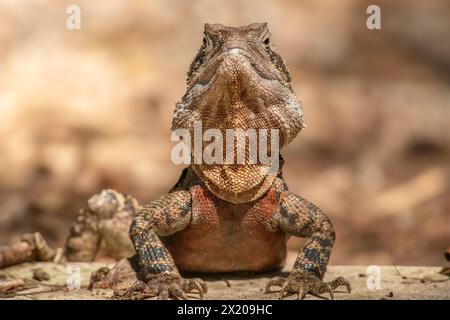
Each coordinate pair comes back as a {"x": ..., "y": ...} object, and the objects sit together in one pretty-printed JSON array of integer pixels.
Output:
[
  {"x": 163, "y": 287},
  {"x": 302, "y": 283}
]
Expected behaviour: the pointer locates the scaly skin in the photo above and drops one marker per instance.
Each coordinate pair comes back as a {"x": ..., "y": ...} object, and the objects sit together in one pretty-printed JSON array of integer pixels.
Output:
[{"x": 224, "y": 217}]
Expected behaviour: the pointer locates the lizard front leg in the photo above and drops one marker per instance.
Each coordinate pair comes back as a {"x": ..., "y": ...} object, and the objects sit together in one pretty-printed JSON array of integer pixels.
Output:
[
  {"x": 165, "y": 216},
  {"x": 300, "y": 218}
]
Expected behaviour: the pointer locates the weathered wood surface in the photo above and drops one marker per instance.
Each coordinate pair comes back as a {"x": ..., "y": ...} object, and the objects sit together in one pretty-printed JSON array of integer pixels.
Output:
[{"x": 395, "y": 283}]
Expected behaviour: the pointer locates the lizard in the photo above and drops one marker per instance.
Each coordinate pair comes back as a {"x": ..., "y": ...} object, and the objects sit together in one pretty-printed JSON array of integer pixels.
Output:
[
  {"x": 217, "y": 218},
  {"x": 233, "y": 217}
]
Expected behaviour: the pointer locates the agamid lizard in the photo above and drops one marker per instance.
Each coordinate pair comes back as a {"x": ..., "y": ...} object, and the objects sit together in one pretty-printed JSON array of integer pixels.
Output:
[
  {"x": 225, "y": 217},
  {"x": 218, "y": 217}
]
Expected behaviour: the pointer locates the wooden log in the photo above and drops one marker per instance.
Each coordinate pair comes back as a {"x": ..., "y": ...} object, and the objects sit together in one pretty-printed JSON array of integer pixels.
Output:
[{"x": 16, "y": 253}]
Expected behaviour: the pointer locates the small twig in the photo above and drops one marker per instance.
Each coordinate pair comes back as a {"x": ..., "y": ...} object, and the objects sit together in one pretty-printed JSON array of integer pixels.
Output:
[
  {"x": 421, "y": 279},
  {"x": 398, "y": 272},
  {"x": 16, "y": 253},
  {"x": 9, "y": 285},
  {"x": 38, "y": 292},
  {"x": 227, "y": 282}
]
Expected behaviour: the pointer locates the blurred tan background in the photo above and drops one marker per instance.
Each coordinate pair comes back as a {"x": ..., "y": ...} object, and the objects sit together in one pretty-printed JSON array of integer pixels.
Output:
[{"x": 88, "y": 109}]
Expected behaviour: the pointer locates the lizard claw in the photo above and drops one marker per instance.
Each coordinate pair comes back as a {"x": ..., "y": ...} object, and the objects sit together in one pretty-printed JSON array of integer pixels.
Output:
[
  {"x": 163, "y": 287},
  {"x": 330, "y": 291},
  {"x": 276, "y": 281},
  {"x": 301, "y": 293},
  {"x": 302, "y": 283},
  {"x": 196, "y": 284},
  {"x": 138, "y": 288}
]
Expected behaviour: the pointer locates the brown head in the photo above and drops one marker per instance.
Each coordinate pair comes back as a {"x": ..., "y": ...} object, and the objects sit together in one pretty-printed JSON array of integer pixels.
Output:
[
  {"x": 250, "y": 43},
  {"x": 238, "y": 74}
]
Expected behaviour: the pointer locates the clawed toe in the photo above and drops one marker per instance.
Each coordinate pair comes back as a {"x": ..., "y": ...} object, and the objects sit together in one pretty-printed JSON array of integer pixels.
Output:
[
  {"x": 163, "y": 288},
  {"x": 303, "y": 283},
  {"x": 341, "y": 281},
  {"x": 195, "y": 286},
  {"x": 138, "y": 290},
  {"x": 274, "y": 282}
]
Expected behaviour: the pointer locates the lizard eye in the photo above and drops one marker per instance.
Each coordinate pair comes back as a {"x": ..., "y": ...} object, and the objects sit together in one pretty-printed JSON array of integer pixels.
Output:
[
  {"x": 266, "y": 41},
  {"x": 205, "y": 41}
]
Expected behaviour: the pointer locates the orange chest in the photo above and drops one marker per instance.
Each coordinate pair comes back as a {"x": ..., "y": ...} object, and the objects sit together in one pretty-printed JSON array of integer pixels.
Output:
[{"x": 225, "y": 237}]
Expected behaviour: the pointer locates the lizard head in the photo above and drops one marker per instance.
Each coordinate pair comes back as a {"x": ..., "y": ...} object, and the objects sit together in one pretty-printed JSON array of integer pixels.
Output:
[
  {"x": 238, "y": 80},
  {"x": 225, "y": 48}
]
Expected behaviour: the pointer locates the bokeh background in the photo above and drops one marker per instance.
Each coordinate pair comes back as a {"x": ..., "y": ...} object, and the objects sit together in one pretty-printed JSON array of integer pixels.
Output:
[{"x": 88, "y": 109}]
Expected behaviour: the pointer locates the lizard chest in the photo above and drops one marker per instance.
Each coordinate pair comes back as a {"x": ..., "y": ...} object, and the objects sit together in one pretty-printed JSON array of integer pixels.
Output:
[{"x": 226, "y": 237}]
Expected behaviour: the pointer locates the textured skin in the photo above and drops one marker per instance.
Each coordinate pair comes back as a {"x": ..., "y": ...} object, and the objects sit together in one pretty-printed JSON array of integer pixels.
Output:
[
  {"x": 238, "y": 81},
  {"x": 245, "y": 235},
  {"x": 223, "y": 217}
]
